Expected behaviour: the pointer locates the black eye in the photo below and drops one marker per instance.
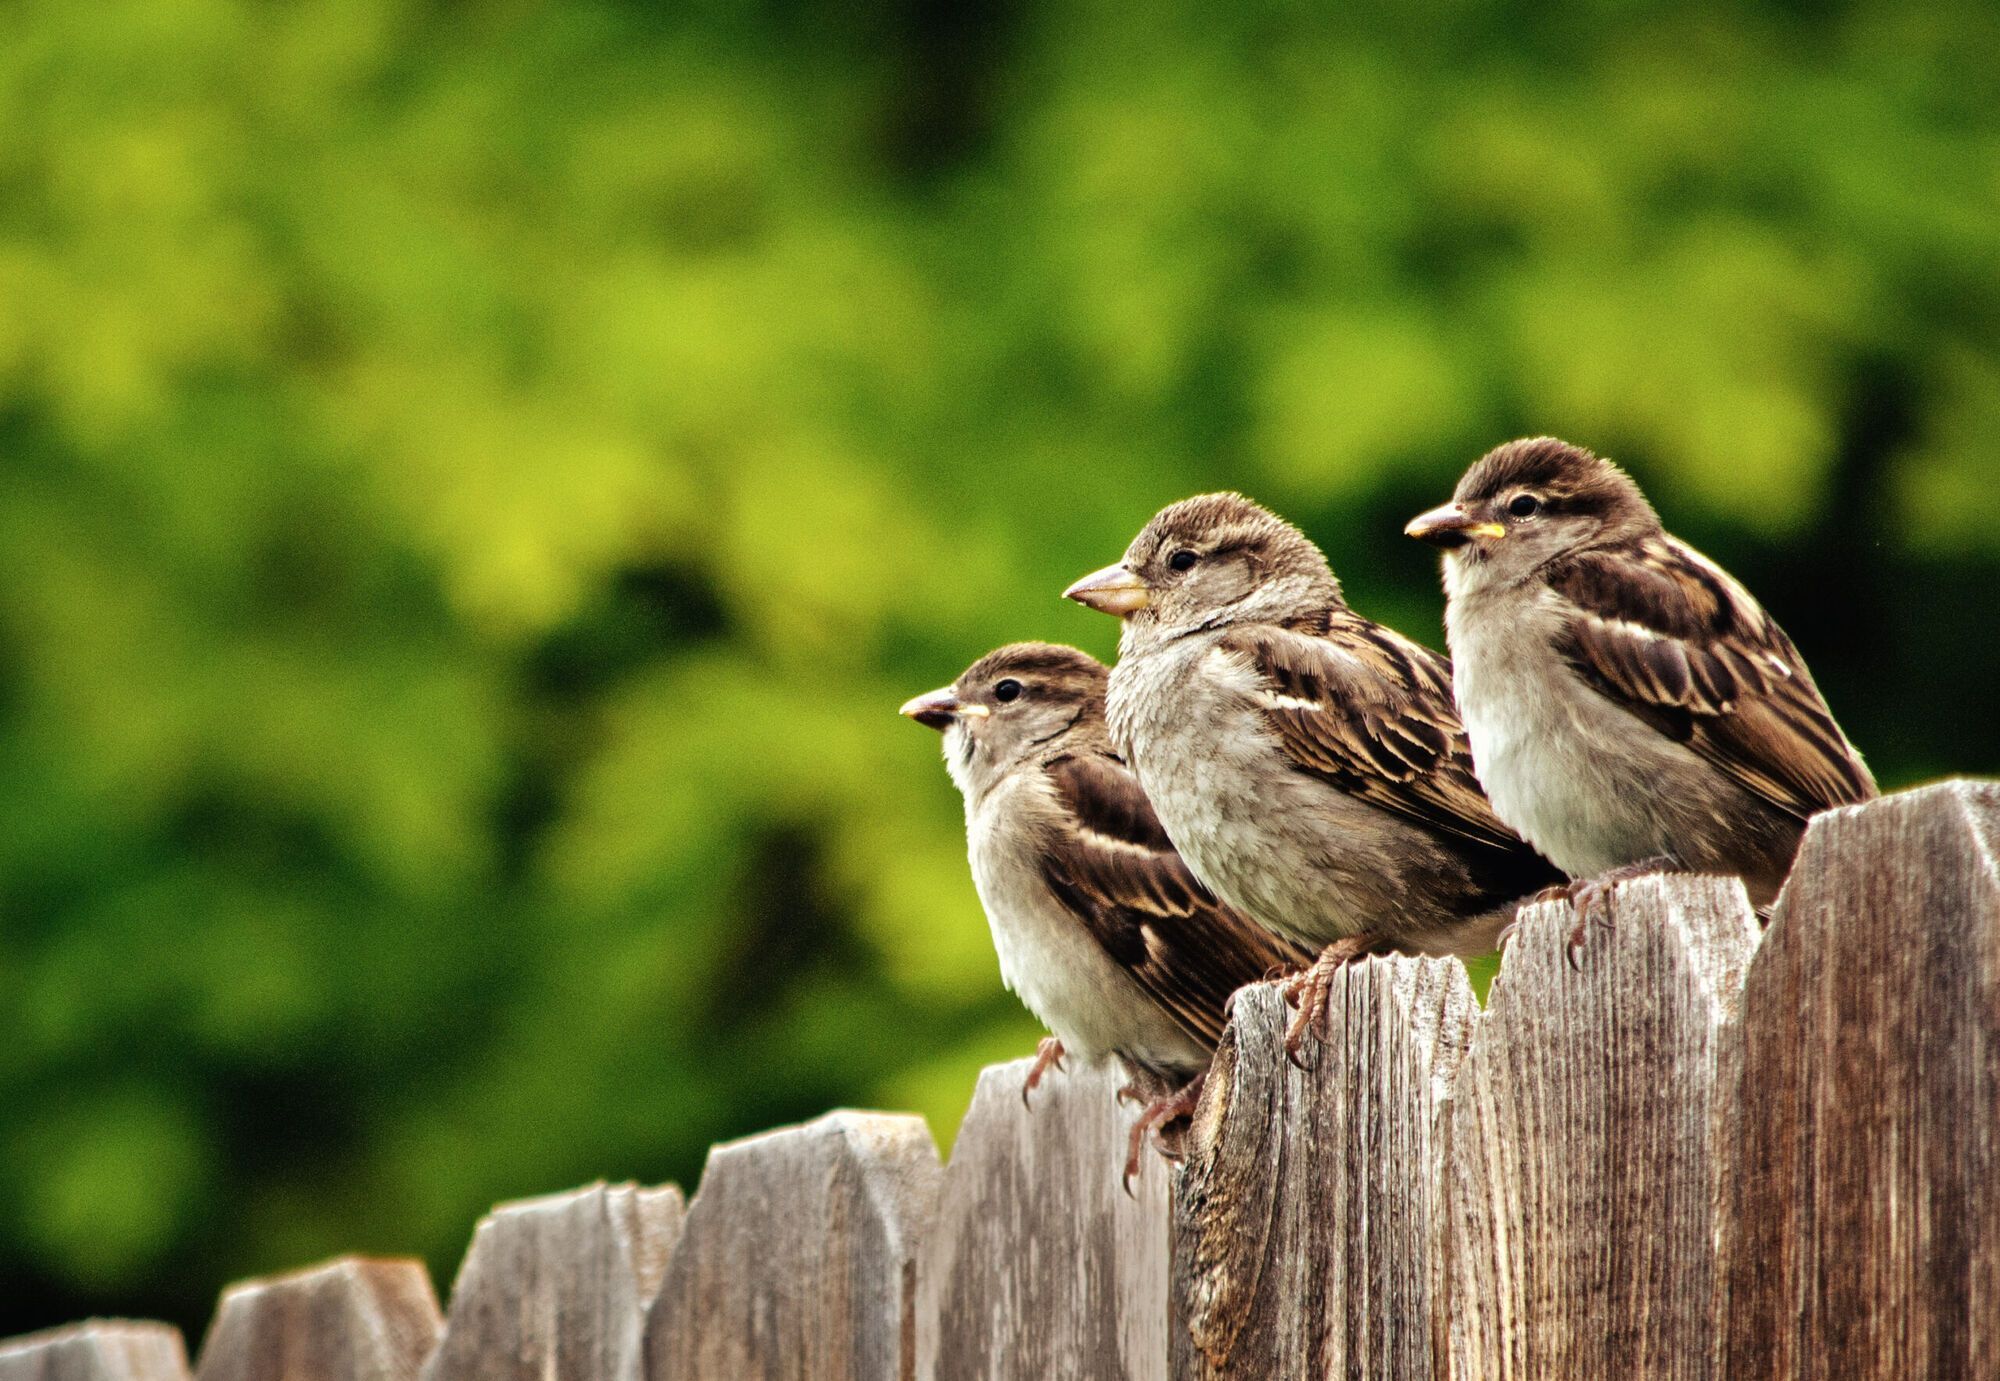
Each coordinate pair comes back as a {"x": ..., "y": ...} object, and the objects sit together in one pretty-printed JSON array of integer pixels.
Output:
[
  {"x": 1181, "y": 560},
  {"x": 1524, "y": 506},
  {"x": 1006, "y": 690}
]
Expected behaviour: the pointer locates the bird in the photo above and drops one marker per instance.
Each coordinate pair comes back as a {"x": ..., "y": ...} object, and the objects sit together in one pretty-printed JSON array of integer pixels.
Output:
[
  {"x": 1307, "y": 762},
  {"x": 1631, "y": 707},
  {"x": 1100, "y": 927}
]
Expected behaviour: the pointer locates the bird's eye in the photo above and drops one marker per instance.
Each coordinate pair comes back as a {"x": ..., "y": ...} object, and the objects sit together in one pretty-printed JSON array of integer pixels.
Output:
[
  {"x": 1524, "y": 506},
  {"x": 1006, "y": 690},
  {"x": 1181, "y": 560}
]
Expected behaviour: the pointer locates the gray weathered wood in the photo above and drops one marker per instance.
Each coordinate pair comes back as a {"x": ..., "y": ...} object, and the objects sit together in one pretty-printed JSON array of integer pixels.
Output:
[
  {"x": 1591, "y": 1132},
  {"x": 1039, "y": 1266},
  {"x": 1865, "y": 1224},
  {"x": 101, "y": 1350},
  {"x": 353, "y": 1319},
  {"x": 1305, "y": 1222},
  {"x": 798, "y": 1256},
  {"x": 556, "y": 1289}
]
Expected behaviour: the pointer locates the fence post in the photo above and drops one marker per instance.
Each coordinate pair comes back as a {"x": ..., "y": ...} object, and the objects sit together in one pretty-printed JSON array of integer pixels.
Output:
[
  {"x": 1590, "y": 1141},
  {"x": 1865, "y": 1222},
  {"x": 556, "y": 1289},
  {"x": 352, "y": 1319},
  {"x": 101, "y": 1350},
  {"x": 798, "y": 1256},
  {"x": 1305, "y": 1223},
  {"x": 1039, "y": 1266}
]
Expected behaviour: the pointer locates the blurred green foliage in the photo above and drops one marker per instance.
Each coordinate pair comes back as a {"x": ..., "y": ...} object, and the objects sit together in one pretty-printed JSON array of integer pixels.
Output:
[{"x": 477, "y": 480}]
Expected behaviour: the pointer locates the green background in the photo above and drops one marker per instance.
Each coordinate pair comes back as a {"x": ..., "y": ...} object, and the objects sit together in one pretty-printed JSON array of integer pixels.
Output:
[{"x": 476, "y": 481}]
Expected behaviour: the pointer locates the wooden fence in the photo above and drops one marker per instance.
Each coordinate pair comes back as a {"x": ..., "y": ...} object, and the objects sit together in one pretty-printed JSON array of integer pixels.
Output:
[{"x": 1708, "y": 1154}]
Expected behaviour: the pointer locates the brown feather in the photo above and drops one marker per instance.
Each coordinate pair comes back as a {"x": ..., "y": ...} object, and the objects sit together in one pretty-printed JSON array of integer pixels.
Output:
[
  {"x": 1668, "y": 636},
  {"x": 1117, "y": 872},
  {"x": 1378, "y": 722}
]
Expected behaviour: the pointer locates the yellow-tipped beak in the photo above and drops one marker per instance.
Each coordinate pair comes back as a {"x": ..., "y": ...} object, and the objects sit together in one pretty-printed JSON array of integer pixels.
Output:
[
  {"x": 1113, "y": 590},
  {"x": 937, "y": 709},
  {"x": 1451, "y": 526}
]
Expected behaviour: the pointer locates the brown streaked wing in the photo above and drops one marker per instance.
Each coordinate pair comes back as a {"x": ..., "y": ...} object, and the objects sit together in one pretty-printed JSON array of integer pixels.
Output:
[
  {"x": 1371, "y": 712},
  {"x": 1120, "y": 875},
  {"x": 1666, "y": 634}
]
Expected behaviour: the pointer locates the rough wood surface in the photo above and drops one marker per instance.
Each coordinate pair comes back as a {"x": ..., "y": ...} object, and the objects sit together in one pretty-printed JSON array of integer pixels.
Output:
[
  {"x": 101, "y": 1350},
  {"x": 798, "y": 1256},
  {"x": 1304, "y": 1226},
  {"x": 1039, "y": 1266},
  {"x": 354, "y": 1319},
  {"x": 1590, "y": 1141},
  {"x": 1865, "y": 1238},
  {"x": 556, "y": 1289}
]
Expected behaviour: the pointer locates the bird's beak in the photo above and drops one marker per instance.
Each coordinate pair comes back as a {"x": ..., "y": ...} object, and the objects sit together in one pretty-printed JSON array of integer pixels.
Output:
[
  {"x": 1113, "y": 590},
  {"x": 937, "y": 709},
  {"x": 1451, "y": 526}
]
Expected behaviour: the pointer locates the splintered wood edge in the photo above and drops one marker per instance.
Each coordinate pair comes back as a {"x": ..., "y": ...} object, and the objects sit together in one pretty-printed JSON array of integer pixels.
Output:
[
  {"x": 901, "y": 1169},
  {"x": 1685, "y": 941},
  {"x": 530, "y": 1255},
  {"x": 885, "y": 1160},
  {"x": 1073, "y": 1126},
  {"x": 648, "y": 1219},
  {"x": 385, "y": 1304},
  {"x": 900, "y": 1172},
  {"x": 114, "y": 1349},
  {"x": 1839, "y": 929},
  {"x": 1421, "y": 1014}
]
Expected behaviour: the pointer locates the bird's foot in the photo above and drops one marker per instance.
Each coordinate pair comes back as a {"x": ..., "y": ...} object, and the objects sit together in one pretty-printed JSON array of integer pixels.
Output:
[
  {"x": 1592, "y": 899},
  {"x": 1558, "y": 892},
  {"x": 1155, "y": 1118},
  {"x": 1308, "y": 990},
  {"x": 1048, "y": 1054}
]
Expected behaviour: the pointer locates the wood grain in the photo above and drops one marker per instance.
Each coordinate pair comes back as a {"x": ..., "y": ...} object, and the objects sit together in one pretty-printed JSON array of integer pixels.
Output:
[
  {"x": 101, "y": 1350},
  {"x": 1865, "y": 1222},
  {"x": 1590, "y": 1141},
  {"x": 354, "y": 1319},
  {"x": 798, "y": 1257},
  {"x": 1305, "y": 1232},
  {"x": 1039, "y": 1266},
  {"x": 556, "y": 1289}
]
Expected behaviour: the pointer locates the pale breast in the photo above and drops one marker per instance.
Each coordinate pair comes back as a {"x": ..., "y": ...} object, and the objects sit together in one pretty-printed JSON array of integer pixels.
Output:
[
  {"x": 1583, "y": 780},
  {"x": 1046, "y": 954},
  {"x": 1285, "y": 848}
]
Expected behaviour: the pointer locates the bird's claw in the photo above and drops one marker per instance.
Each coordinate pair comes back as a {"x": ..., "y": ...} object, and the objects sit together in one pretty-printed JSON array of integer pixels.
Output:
[
  {"x": 1592, "y": 898},
  {"x": 1049, "y": 1054},
  {"x": 1155, "y": 1118},
  {"x": 1309, "y": 990},
  {"x": 1307, "y": 1017}
]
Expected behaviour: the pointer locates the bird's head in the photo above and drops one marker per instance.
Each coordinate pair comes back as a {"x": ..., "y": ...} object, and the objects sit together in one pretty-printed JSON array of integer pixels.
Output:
[
  {"x": 1524, "y": 504},
  {"x": 1208, "y": 561},
  {"x": 1016, "y": 701}
]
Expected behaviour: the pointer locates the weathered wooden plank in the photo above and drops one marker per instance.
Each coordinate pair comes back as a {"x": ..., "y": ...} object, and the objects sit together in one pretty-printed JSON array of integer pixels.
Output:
[
  {"x": 1865, "y": 1219},
  {"x": 1305, "y": 1221},
  {"x": 556, "y": 1289},
  {"x": 1590, "y": 1141},
  {"x": 101, "y": 1350},
  {"x": 798, "y": 1256},
  {"x": 352, "y": 1319},
  {"x": 1039, "y": 1266}
]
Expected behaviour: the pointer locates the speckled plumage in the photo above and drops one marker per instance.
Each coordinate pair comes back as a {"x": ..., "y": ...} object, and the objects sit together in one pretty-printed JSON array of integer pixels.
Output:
[
  {"x": 1625, "y": 697},
  {"x": 1307, "y": 762},
  {"x": 1098, "y": 925}
]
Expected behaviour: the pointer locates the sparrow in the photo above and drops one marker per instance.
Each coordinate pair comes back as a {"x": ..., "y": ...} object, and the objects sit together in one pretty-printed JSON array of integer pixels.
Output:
[
  {"x": 1631, "y": 708},
  {"x": 1100, "y": 927},
  {"x": 1307, "y": 762}
]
